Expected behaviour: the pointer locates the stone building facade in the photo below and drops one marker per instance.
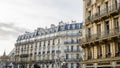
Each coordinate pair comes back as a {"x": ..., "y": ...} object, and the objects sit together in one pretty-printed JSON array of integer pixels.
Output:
[
  {"x": 50, "y": 47},
  {"x": 101, "y": 34}
]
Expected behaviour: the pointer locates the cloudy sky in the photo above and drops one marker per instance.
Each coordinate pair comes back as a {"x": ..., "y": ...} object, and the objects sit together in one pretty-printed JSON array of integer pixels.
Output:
[{"x": 18, "y": 16}]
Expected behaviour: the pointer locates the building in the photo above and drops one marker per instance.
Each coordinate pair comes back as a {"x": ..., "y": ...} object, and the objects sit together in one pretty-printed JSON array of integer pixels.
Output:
[
  {"x": 5, "y": 61},
  {"x": 50, "y": 47},
  {"x": 101, "y": 34},
  {"x": 12, "y": 55}
]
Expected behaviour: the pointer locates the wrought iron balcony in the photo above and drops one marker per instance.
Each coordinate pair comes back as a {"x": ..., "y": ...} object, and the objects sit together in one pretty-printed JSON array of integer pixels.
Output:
[
  {"x": 106, "y": 12},
  {"x": 101, "y": 35},
  {"x": 71, "y": 42},
  {"x": 73, "y": 60},
  {"x": 74, "y": 50},
  {"x": 24, "y": 55}
]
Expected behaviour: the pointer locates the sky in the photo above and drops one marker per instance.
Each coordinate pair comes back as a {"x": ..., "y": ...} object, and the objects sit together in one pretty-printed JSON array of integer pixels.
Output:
[{"x": 18, "y": 16}]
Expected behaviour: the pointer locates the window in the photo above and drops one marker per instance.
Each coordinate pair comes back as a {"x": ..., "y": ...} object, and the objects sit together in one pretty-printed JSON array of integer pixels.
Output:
[
  {"x": 67, "y": 56},
  {"x": 108, "y": 50},
  {"x": 67, "y": 48},
  {"x": 77, "y": 56},
  {"x": 99, "y": 30},
  {"x": 107, "y": 29},
  {"x": 49, "y": 42},
  {"x": 71, "y": 48},
  {"x": 72, "y": 65},
  {"x": 116, "y": 25},
  {"x": 98, "y": 9},
  {"x": 40, "y": 44},
  {"x": 89, "y": 15},
  {"x": 77, "y": 65},
  {"x": 99, "y": 51},
  {"x": 44, "y": 43},
  {"x": 89, "y": 33},
  {"x": 89, "y": 53},
  {"x": 106, "y": 5},
  {"x": 78, "y": 48},
  {"x": 66, "y": 65},
  {"x": 117, "y": 49},
  {"x": 53, "y": 42},
  {"x": 116, "y": 3},
  {"x": 58, "y": 41}
]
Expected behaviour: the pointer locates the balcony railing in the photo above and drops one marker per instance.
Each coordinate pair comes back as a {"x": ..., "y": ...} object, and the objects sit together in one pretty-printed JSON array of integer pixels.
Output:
[
  {"x": 103, "y": 12},
  {"x": 102, "y": 35},
  {"x": 71, "y": 42},
  {"x": 24, "y": 55},
  {"x": 74, "y": 50},
  {"x": 73, "y": 60}
]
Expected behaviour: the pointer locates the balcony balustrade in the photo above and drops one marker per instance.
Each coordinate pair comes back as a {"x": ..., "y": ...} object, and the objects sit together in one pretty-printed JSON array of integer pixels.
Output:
[
  {"x": 24, "y": 55},
  {"x": 102, "y": 35},
  {"x": 73, "y": 60},
  {"x": 74, "y": 50},
  {"x": 110, "y": 11},
  {"x": 71, "y": 42}
]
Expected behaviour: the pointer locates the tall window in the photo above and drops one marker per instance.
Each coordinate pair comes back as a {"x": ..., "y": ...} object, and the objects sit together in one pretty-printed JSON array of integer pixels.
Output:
[
  {"x": 89, "y": 15},
  {"x": 116, "y": 3},
  {"x": 116, "y": 25},
  {"x": 107, "y": 29},
  {"x": 53, "y": 42},
  {"x": 67, "y": 56},
  {"x": 117, "y": 49},
  {"x": 99, "y": 51},
  {"x": 89, "y": 53},
  {"x": 98, "y": 9},
  {"x": 77, "y": 65},
  {"x": 106, "y": 5},
  {"x": 66, "y": 65},
  {"x": 49, "y": 42},
  {"x": 58, "y": 41},
  {"x": 71, "y": 48},
  {"x": 108, "y": 50},
  {"x": 89, "y": 32},
  {"x": 78, "y": 48},
  {"x": 72, "y": 65},
  {"x": 99, "y": 30}
]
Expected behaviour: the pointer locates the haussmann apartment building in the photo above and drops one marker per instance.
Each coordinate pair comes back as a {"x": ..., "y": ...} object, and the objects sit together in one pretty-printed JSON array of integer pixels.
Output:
[
  {"x": 50, "y": 47},
  {"x": 101, "y": 34}
]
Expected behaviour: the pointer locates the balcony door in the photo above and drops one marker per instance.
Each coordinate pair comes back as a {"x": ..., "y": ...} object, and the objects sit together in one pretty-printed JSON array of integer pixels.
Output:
[{"x": 107, "y": 29}]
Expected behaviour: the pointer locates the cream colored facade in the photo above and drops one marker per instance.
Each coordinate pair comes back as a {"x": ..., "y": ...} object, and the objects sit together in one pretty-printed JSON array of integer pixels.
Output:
[
  {"x": 50, "y": 47},
  {"x": 101, "y": 34}
]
